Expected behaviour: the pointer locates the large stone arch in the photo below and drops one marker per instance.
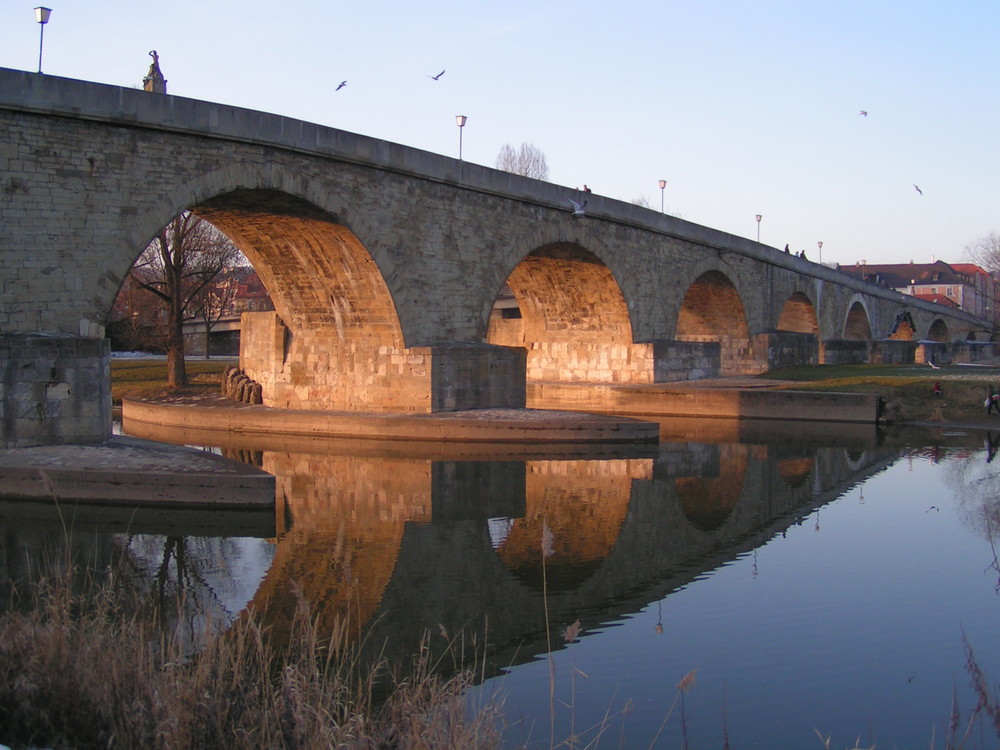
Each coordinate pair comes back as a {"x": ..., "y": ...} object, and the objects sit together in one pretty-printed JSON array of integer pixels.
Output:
[
  {"x": 568, "y": 312},
  {"x": 798, "y": 314},
  {"x": 712, "y": 311},
  {"x": 938, "y": 331},
  {"x": 902, "y": 328},
  {"x": 857, "y": 322},
  {"x": 334, "y": 340}
]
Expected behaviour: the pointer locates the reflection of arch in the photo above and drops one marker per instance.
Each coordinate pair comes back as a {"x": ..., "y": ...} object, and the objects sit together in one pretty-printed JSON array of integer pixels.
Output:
[
  {"x": 708, "y": 501},
  {"x": 902, "y": 328},
  {"x": 584, "y": 504},
  {"x": 571, "y": 317},
  {"x": 795, "y": 471},
  {"x": 331, "y": 297},
  {"x": 713, "y": 311},
  {"x": 348, "y": 516},
  {"x": 938, "y": 331},
  {"x": 856, "y": 325},
  {"x": 856, "y": 458},
  {"x": 798, "y": 314}
]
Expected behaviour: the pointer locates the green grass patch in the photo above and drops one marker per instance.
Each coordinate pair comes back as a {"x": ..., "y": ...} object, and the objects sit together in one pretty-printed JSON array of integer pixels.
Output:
[{"x": 138, "y": 378}]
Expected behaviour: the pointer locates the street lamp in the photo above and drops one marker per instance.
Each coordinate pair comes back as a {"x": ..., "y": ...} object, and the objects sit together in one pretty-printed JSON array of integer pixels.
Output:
[
  {"x": 460, "y": 121},
  {"x": 663, "y": 184},
  {"x": 820, "y": 243},
  {"x": 42, "y": 16},
  {"x": 758, "y": 217}
]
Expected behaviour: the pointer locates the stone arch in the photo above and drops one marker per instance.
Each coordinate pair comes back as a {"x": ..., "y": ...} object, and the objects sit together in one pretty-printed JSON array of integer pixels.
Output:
[
  {"x": 712, "y": 311},
  {"x": 334, "y": 316},
  {"x": 857, "y": 324},
  {"x": 564, "y": 306},
  {"x": 902, "y": 328},
  {"x": 798, "y": 314},
  {"x": 938, "y": 331}
]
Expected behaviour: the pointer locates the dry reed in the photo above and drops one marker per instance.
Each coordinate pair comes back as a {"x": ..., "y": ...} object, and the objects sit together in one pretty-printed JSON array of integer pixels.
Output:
[{"x": 100, "y": 670}]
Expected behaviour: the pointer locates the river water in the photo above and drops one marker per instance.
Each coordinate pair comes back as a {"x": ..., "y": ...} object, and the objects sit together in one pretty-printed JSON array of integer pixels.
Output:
[{"x": 810, "y": 582}]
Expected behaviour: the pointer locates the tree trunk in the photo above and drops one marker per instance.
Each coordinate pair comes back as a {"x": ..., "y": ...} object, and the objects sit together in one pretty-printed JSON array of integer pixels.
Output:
[
  {"x": 176, "y": 371},
  {"x": 208, "y": 332}
]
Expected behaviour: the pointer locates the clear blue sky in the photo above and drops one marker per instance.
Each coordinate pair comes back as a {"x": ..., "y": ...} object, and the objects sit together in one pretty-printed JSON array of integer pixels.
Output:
[{"x": 743, "y": 106}]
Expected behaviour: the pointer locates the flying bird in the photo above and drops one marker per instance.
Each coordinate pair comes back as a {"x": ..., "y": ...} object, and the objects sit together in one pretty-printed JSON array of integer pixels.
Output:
[
  {"x": 918, "y": 190},
  {"x": 437, "y": 77},
  {"x": 863, "y": 113},
  {"x": 936, "y": 367},
  {"x": 578, "y": 207},
  {"x": 340, "y": 85}
]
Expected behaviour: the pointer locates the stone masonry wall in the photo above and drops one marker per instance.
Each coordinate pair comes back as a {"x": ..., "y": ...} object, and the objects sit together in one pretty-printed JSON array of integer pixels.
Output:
[{"x": 52, "y": 390}]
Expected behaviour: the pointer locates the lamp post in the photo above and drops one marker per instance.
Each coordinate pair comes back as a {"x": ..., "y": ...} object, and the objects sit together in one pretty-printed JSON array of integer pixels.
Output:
[
  {"x": 758, "y": 217},
  {"x": 663, "y": 184},
  {"x": 42, "y": 16},
  {"x": 820, "y": 243},
  {"x": 460, "y": 121}
]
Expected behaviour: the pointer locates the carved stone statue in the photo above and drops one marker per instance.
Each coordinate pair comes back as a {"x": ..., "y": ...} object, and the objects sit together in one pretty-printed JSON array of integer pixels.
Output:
[{"x": 154, "y": 80}]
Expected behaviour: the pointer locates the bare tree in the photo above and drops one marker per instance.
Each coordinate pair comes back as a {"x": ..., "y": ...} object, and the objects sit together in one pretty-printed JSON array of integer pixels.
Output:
[
  {"x": 213, "y": 302},
  {"x": 985, "y": 252},
  {"x": 176, "y": 266},
  {"x": 527, "y": 161}
]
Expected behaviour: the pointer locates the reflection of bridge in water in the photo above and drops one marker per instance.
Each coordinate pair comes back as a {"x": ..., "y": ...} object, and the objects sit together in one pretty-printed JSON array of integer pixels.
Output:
[
  {"x": 405, "y": 545},
  {"x": 400, "y": 544}
]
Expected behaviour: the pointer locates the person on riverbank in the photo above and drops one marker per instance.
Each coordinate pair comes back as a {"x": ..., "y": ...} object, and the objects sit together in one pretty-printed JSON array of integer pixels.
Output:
[
  {"x": 993, "y": 401},
  {"x": 937, "y": 389}
]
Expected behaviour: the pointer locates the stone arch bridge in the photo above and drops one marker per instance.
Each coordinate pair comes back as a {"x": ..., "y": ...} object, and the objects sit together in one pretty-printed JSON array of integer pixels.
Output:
[{"x": 385, "y": 264}]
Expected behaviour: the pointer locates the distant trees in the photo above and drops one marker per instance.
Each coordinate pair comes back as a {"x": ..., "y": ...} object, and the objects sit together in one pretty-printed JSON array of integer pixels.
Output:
[
  {"x": 985, "y": 252},
  {"x": 168, "y": 283},
  {"x": 528, "y": 161}
]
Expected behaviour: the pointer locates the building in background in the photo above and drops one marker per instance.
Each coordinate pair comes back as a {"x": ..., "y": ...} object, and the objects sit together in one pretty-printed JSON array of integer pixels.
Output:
[{"x": 962, "y": 286}]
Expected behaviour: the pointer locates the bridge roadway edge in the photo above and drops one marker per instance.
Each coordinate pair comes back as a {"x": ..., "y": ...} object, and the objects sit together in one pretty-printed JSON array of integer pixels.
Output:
[{"x": 22, "y": 91}]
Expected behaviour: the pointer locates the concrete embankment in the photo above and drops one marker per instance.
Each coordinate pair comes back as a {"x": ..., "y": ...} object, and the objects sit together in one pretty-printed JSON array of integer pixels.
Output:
[
  {"x": 705, "y": 400},
  {"x": 133, "y": 472},
  {"x": 522, "y": 426}
]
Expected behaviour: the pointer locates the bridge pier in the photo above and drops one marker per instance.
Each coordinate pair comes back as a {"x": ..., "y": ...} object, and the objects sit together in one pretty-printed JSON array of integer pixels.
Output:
[
  {"x": 845, "y": 352},
  {"x": 55, "y": 388},
  {"x": 790, "y": 349},
  {"x": 891, "y": 352},
  {"x": 477, "y": 376},
  {"x": 686, "y": 360}
]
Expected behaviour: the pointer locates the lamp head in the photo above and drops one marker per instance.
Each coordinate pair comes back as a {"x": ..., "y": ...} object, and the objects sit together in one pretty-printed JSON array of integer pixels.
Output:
[
  {"x": 460, "y": 120},
  {"x": 42, "y": 14}
]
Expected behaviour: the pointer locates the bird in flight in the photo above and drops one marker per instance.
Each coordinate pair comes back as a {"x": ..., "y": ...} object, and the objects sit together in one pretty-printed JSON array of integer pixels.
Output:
[
  {"x": 918, "y": 190},
  {"x": 863, "y": 113},
  {"x": 437, "y": 77},
  {"x": 578, "y": 207},
  {"x": 340, "y": 85}
]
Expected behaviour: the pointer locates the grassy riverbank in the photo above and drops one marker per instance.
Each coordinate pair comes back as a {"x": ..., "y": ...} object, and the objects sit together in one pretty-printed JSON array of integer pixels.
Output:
[
  {"x": 147, "y": 378},
  {"x": 907, "y": 389}
]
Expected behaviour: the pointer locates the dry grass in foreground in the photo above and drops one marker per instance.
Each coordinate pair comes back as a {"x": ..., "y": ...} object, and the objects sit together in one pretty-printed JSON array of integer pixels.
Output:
[{"x": 89, "y": 671}]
